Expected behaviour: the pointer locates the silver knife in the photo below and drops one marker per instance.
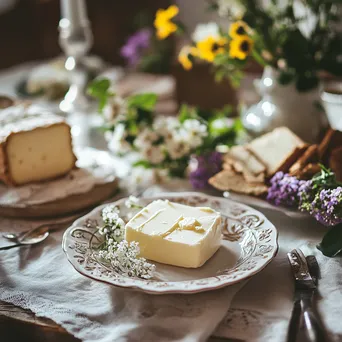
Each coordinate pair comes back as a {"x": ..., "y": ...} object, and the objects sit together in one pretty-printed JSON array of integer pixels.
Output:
[{"x": 303, "y": 309}]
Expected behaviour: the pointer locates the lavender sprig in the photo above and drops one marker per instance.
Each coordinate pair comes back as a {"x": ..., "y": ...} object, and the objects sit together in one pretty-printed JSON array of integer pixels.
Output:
[
  {"x": 327, "y": 206},
  {"x": 203, "y": 167},
  {"x": 284, "y": 190}
]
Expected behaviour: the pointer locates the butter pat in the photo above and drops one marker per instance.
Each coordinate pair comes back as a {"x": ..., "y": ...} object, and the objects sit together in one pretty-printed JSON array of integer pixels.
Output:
[{"x": 176, "y": 234}]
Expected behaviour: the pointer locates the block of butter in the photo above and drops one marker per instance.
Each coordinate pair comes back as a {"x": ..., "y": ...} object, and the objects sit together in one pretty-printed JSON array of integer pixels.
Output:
[
  {"x": 34, "y": 146},
  {"x": 176, "y": 234}
]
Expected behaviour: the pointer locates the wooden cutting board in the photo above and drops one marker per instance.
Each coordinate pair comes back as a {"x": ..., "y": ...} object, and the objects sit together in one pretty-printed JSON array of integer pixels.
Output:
[{"x": 65, "y": 206}]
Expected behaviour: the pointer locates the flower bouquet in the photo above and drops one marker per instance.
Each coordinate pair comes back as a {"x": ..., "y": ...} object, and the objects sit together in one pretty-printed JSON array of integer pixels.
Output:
[
  {"x": 166, "y": 144},
  {"x": 297, "y": 38},
  {"x": 295, "y": 42}
]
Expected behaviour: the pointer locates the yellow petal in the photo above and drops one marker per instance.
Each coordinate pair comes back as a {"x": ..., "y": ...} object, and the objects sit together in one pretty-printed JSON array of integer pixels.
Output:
[
  {"x": 165, "y": 30},
  {"x": 171, "y": 12},
  {"x": 235, "y": 47},
  {"x": 238, "y": 29}
]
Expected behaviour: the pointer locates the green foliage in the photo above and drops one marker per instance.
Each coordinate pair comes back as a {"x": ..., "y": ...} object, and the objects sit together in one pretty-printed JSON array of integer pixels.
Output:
[
  {"x": 331, "y": 244},
  {"x": 143, "y": 163},
  {"x": 277, "y": 37},
  {"x": 99, "y": 89},
  {"x": 145, "y": 101}
]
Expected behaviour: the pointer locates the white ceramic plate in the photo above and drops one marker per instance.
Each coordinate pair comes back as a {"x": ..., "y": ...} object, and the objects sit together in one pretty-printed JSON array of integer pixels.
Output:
[
  {"x": 262, "y": 203},
  {"x": 249, "y": 243}
]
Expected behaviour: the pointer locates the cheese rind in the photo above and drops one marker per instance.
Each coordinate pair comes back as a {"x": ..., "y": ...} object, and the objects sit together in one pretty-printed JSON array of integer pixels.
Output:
[
  {"x": 33, "y": 146},
  {"x": 176, "y": 234}
]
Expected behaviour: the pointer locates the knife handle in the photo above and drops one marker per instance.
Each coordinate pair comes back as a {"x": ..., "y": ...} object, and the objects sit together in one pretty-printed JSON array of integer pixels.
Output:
[
  {"x": 314, "y": 328},
  {"x": 294, "y": 321}
]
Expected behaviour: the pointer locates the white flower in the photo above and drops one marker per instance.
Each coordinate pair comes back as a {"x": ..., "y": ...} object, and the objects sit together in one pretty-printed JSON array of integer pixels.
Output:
[
  {"x": 110, "y": 214},
  {"x": 115, "y": 110},
  {"x": 145, "y": 139},
  {"x": 132, "y": 202},
  {"x": 123, "y": 257},
  {"x": 193, "y": 132},
  {"x": 307, "y": 19},
  {"x": 177, "y": 147},
  {"x": 165, "y": 126},
  {"x": 204, "y": 31},
  {"x": 117, "y": 140},
  {"x": 230, "y": 7},
  {"x": 222, "y": 123},
  {"x": 154, "y": 154}
]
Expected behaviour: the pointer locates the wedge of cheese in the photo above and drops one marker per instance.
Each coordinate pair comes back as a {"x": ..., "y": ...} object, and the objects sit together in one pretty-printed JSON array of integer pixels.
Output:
[
  {"x": 176, "y": 234},
  {"x": 33, "y": 146}
]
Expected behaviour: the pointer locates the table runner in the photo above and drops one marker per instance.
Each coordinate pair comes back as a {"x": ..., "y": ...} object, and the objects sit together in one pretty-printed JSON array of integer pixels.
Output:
[{"x": 40, "y": 278}]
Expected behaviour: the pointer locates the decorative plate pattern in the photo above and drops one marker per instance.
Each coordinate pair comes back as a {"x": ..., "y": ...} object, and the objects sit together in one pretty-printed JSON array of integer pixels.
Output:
[{"x": 249, "y": 243}]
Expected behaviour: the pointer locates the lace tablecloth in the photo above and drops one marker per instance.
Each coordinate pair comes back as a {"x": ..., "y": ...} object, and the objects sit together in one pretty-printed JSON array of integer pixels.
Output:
[{"x": 39, "y": 278}]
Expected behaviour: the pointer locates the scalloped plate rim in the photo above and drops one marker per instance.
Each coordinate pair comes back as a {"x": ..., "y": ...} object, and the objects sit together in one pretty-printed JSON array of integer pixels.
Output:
[{"x": 160, "y": 291}]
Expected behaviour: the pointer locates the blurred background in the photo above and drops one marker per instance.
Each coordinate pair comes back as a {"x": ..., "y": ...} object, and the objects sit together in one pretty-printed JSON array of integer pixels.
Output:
[{"x": 29, "y": 32}]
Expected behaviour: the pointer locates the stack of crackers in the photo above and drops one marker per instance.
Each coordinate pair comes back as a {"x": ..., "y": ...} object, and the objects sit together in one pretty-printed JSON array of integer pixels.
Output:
[{"x": 248, "y": 168}]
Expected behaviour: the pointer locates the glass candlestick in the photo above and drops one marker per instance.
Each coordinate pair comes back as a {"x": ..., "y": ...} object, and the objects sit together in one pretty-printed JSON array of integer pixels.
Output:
[{"x": 75, "y": 38}]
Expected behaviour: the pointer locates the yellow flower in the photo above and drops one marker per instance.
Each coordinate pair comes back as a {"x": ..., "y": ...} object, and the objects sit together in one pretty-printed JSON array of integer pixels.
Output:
[
  {"x": 185, "y": 55},
  {"x": 240, "y": 47},
  {"x": 238, "y": 29},
  {"x": 210, "y": 47},
  {"x": 163, "y": 23}
]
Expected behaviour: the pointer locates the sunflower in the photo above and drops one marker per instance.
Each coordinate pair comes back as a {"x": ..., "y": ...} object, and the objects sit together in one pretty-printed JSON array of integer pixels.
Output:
[
  {"x": 185, "y": 56},
  {"x": 238, "y": 29},
  {"x": 240, "y": 47},
  {"x": 163, "y": 23},
  {"x": 210, "y": 47}
]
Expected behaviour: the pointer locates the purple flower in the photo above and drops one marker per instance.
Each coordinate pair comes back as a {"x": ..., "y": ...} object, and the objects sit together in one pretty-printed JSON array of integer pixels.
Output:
[
  {"x": 135, "y": 46},
  {"x": 327, "y": 206},
  {"x": 203, "y": 167},
  {"x": 284, "y": 190}
]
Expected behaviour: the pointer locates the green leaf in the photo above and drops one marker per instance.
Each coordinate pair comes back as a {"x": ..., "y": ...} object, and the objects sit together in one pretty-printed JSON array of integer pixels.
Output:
[
  {"x": 143, "y": 163},
  {"x": 258, "y": 58},
  {"x": 331, "y": 244},
  {"x": 98, "y": 88},
  {"x": 143, "y": 101},
  {"x": 187, "y": 112}
]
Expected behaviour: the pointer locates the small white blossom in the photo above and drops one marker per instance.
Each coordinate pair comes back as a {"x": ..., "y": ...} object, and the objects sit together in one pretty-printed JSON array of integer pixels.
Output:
[
  {"x": 204, "y": 31},
  {"x": 115, "y": 110},
  {"x": 110, "y": 214},
  {"x": 165, "y": 126},
  {"x": 145, "y": 139},
  {"x": 114, "y": 227},
  {"x": 154, "y": 154},
  {"x": 132, "y": 202},
  {"x": 123, "y": 256},
  {"x": 230, "y": 7},
  {"x": 177, "y": 147},
  {"x": 193, "y": 132},
  {"x": 117, "y": 140}
]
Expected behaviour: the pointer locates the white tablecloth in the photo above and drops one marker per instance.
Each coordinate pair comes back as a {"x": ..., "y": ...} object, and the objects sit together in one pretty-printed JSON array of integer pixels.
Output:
[{"x": 40, "y": 278}]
